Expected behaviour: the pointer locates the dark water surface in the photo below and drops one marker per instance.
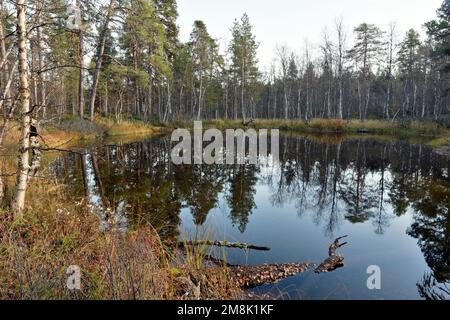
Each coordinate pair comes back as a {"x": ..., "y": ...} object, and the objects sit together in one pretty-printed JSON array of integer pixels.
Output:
[{"x": 392, "y": 199}]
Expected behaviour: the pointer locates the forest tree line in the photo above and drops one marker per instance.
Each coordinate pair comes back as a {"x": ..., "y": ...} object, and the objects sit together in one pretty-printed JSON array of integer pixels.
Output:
[{"x": 124, "y": 58}]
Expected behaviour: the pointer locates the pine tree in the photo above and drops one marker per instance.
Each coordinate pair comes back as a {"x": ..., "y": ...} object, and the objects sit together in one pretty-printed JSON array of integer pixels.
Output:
[
  {"x": 102, "y": 38},
  {"x": 409, "y": 62},
  {"x": 205, "y": 59},
  {"x": 365, "y": 54},
  {"x": 243, "y": 49},
  {"x": 439, "y": 31},
  {"x": 143, "y": 40},
  {"x": 367, "y": 47},
  {"x": 409, "y": 51}
]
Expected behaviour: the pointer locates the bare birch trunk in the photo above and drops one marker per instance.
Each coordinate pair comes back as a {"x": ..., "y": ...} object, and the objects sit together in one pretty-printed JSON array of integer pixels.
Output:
[
  {"x": 4, "y": 65},
  {"x": 9, "y": 109},
  {"x": 424, "y": 97},
  {"x": 18, "y": 201}
]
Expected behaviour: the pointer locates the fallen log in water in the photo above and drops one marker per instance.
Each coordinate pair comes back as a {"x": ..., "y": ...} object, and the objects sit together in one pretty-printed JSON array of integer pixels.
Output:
[
  {"x": 334, "y": 261},
  {"x": 247, "y": 277},
  {"x": 236, "y": 245}
]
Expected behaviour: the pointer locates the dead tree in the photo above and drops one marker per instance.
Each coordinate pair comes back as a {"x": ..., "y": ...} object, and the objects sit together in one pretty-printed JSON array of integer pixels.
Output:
[
  {"x": 247, "y": 123},
  {"x": 334, "y": 261}
]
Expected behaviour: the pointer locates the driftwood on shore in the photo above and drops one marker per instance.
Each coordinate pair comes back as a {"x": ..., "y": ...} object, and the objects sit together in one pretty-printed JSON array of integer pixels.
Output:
[
  {"x": 334, "y": 261},
  {"x": 226, "y": 244}
]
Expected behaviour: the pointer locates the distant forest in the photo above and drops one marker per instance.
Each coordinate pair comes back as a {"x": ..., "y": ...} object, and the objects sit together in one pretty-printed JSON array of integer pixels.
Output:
[{"x": 123, "y": 58}]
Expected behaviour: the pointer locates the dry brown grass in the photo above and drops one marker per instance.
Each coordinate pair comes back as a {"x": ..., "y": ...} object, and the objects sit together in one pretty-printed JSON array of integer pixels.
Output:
[
  {"x": 58, "y": 231},
  {"x": 325, "y": 125},
  {"x": 128, "y": 127},
  {"x": 51, "y": 136},
  {"x": 36, "y": 251}
]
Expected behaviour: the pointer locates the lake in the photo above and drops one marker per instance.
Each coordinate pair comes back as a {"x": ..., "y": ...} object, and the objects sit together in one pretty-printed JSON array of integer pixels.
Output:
[{"x": 391, "y": 198}]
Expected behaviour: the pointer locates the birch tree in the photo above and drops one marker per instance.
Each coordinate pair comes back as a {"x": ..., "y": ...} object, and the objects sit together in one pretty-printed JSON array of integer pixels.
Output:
[
  {"x": 340, "y": 60},
  {"x": 18, "y": 202}
]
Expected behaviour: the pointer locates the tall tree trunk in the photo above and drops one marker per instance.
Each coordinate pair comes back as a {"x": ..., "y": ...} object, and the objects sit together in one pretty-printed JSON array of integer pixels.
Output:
[
  {"x": 226, "y": 101},
  {"x": 360, "y": 102},
  {"x": 6, "y": 120},
  {"x": 10, "y": 106},
  {"x": 80, "y": 64},
  {"x": 367, "y": 102},
  {"x": 415, "y": 99},
  {"x": 329, "y": 111},
  {"x": 307, "y": 99},
  {"x": 18, "y": 202},
  {"x": 37, "y": 61},
  {"x": 243, "y": 90},
  {"x": 436, "y": 103},
  {"x": 169, "y": 100},
  {"x": 40, "y": 57},
  {"x": 286, "y": 103},
  {"x": 299, "y": 101},
  {"x": 424, "y": 95},
  {"x": 341, "y": 99},
  {"x": 200, "y": 98},
  {"x": 100, "y": 51},
  {"x": 4, "y": 67},
  {"x": 235, "y": 103},
  {"x": 150, "y": 100},
  {"x": 387, "y": 104},
  {"x": 106, "y": 110}
]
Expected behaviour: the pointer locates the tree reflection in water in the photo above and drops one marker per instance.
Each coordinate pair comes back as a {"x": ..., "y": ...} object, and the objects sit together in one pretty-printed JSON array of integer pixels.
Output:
[{"x": 334, "y": 179}]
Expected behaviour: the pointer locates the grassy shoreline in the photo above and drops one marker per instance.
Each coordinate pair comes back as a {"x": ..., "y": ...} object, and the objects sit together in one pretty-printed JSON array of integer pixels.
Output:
[
  {"x": 73, "y": 131},
  {"x": 434, "y": 135}
]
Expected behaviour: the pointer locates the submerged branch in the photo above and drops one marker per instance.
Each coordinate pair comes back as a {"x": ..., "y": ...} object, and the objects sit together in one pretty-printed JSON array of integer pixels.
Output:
[
  {"x": 334, "y": 261},
  {"x": 236, "y": 245}
]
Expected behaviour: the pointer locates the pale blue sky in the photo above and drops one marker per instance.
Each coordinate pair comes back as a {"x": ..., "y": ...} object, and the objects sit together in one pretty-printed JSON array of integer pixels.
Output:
[{"x": 292, "y": 21}]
